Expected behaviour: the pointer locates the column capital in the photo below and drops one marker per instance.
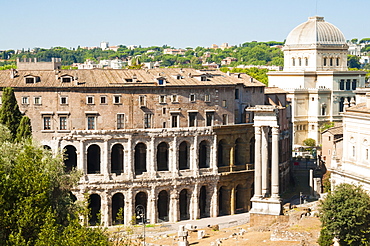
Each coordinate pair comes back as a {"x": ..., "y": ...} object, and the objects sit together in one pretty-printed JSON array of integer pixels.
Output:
[
  {"x": 257, "y": 130},
  {"x": 275, "y": 129}
]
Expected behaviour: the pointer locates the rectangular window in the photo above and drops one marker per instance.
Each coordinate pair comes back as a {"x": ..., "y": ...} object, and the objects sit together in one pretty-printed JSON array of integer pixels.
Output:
[
  {"x": 353, "y": 151},
  {"x": 30, "y": 80},
  {"x": 192, "y": 119},
  {"x": 175, "y": 98},
  {"x": 207, "y": 98},
  {"x": 209, "y": 118},
  {"x": 341, "y": 84},
  {"x": 337, "y": 61},
  {"x": 90, "y": 100},
  {"x": 354, "y": 84},
  {"x": 224, "y": 119},
  {"x": 117, "y": 99},
  {"x": 47, "y": 122},
  {"x": 324, "y": 61},
  {"x": 142, "y": 101},
  {"x": 192, "y": 98},
  {"x": 103, "y": 99},
  {"x": 162, "y": 99},
  {"x": 63, "y": 100},
  {"x": 348, "y": 85},
  {"x": 62, "y": 123},
  {"x": 25, "y": 100},
  {"x": 120, "y": 121},
  {"x": 91, "y": 122},
  {"x": 175, "y": 120},
  {"x": 37, "y": 100},
  {"x": 236, "y": 93},
  {"x": 224, "y": 103},
  {"x": 66, "y": 79},
  {"x": 367, "y": 154},
  {"x": 147, "y": 120},
  {"x": 164, "y": 111}
]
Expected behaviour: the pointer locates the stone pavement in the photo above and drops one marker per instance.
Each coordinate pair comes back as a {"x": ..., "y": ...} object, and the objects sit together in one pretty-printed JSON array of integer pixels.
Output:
[{"x": 222, "y": 221}]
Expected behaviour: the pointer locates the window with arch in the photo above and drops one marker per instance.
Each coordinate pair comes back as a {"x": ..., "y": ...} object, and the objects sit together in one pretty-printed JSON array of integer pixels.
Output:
[
  {"x": 299, "y": 61},
  {"x": 70, "y": 158},
  {"x": 117, "y": 159},
  {"x": 93, "y": 159},
  {"x": 306, "y": 61},
  {"x": 162, "y": 157},
  {"x": 184, "y": 156},
  {"x": 325, "y": 61},
  {"x": 204, "y": 151},
  {"x": 140, "y": 158},
  {"x": 293, "y": 61},
  {"x": 331, "y": 62},
  {"x": 337, "y": 60}
]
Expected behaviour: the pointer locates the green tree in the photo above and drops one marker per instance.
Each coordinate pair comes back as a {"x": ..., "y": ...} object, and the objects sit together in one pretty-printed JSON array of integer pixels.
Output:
[
  {"x": 353, "y": 61},
  {"x": 24, "y": 130},
  {"x": 10, "y": 115},
  {"x": 309, "y": 142},
  {"x": 345, "y": 215},
  {"x": 354, "y": 40},
  {"x": 35, "y": 197}
]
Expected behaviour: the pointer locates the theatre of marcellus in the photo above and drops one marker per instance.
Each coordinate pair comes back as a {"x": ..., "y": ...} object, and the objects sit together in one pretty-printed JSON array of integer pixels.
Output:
[{"x": 179, "y": 142}]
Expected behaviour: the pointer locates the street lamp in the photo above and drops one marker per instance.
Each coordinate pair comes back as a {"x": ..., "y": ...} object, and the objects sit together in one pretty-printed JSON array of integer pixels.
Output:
[{"x": 140, "y": 214}]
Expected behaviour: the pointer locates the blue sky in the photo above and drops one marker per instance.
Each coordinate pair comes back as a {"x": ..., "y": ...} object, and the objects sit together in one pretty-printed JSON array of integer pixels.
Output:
[{"x": 190, "y": 23}]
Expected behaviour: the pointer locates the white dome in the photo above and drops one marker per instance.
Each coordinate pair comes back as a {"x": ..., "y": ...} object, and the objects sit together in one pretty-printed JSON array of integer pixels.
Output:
[{"x": 315, "y": 31}]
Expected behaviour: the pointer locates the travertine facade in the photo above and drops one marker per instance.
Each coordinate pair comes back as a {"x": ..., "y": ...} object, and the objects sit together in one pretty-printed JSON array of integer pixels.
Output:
[{"x": 177, "y": 141}]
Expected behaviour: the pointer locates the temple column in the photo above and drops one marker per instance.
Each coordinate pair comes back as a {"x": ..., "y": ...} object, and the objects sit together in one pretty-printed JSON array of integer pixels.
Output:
[
  {"x": 105, "y": 168},
  {"x": 214, "y": 205},
  {"x": 275, "y": 163},
  {"x": 257, "y": 163},
  {"x": 152, "y": 207},
  {"x": 104, "y": 209},
  {"x": 82, "y": 165},
  {"x": 194, "y": 157},
  {"x": 264, "y": 160},
  {"x": 129, "y": 211},
  {"x": 129, "y": 164},
  {"x": 174, "y": 206}
]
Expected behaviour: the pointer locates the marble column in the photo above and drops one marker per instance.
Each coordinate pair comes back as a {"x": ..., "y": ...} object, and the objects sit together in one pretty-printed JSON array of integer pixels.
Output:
[
  {"x": 129, "y": 159},
  {"x": 194, "y": 160},
  {"x": 257, "y": 163},
  {"x": 264, "y": 160},
  {"x": 104, "y": 209},
  {"x": 174, "y": 213},
  {"x": 195, "y": 203},
  {"x": 104, "y": 163},
  {"x": 129, "y": 207},
  {"x": 82, "y": 165},
  {"x": 214, "y": 203},
  {"x": 213, "y": 163},
  {"x": 152, "y": 207},
  {"x": 275, "y": 163},
  {"x": 151, "y": 163},
  {"x": 174, "y": 158}
]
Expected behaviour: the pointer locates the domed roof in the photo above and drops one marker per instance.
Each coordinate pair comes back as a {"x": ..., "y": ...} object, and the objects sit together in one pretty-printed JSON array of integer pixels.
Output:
[{"x": 315, "y": 31}]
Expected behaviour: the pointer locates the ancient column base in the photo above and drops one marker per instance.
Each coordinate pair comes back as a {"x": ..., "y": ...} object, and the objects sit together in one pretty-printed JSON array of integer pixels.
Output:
[{"x": 271, "y": 206}]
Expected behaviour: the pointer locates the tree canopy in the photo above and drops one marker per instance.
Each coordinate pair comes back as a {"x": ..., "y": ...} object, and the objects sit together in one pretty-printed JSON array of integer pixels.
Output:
[
  {"x": 345, "y": 215},
  {"x": 36, "y": 204},
  {"x": 10, "y": 115}
]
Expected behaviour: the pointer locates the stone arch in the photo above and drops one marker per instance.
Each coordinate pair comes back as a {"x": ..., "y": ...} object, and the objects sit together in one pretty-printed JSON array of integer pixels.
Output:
[
  {"x": 70, "y": 158},
  {"x": 141, "y": 198},
  {"x": 239, "y": 152},
  {"x": 93, "y": 159},
  {"x": 184, "y": 158},
  {"x": 203, "y": 202},
  {"x": 184, "y": 199},
  {"x": 223, "y": 201},
  {"x": 94, "y": 208},
  {"x": 118, "y": 203},
  {"x": 163, "y": 205},
  {"x": 162, "y": 157},
  {"x": 140, "y": 158},
  {"x": 47, "y": 147},
  {"x": 204, "y": 154},
  {"x": 222, "y": 153},
  {"x": 240, "y": 199},
  {"x": 117, "y": 159}
]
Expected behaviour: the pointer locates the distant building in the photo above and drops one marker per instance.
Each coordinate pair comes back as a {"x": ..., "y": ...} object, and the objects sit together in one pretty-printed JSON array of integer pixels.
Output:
[
  {"x": 332, "y": 145},
  {"x": 89, "y": 64},
  {"x": 104, "y": 45},
  {"x": 174, "y": 51},
  {"x": 316, "y": 77},
  {"x": 228, "y": 60}
]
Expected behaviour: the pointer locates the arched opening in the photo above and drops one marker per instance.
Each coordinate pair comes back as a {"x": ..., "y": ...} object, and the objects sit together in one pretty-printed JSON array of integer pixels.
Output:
[
  {"x": 141, "y": 198},
  {"x": 162, "y": 205},
  {"x": 47, "y": 147},
  {"x": 184, "y": 156},
  {"x": 239, "y": 153},
  {"x": 204, "y": 154},
  {"x": 70, "y": 158},
  {"x": 118, "y": 203},
  {"x": 94, "y": 209},
  {"x": 203, "y": 203},
  {"x": 93, "y": 159},
  {"x": 221, "y": 153},
  {"x": 140, "y": 158},
  {"x": 184, "y": 205},
  {"x": 72, "y": 197},
  {"x": 162, "y": 157},
  {"x": 117, "y": 159},
  {"x": 223, "y": 201},
  {"x": 341, "y": 104},
  {"x": 240, "y": 199}
]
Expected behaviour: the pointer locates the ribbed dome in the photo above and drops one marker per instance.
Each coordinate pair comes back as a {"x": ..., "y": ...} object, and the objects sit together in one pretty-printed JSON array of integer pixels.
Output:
[{"x": 315, "y": 31}]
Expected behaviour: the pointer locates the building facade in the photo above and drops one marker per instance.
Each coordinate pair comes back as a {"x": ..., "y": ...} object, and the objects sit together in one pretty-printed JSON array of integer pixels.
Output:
[
  {"x": 177, "y": 141},
  {"x": 316, "y": 77}
]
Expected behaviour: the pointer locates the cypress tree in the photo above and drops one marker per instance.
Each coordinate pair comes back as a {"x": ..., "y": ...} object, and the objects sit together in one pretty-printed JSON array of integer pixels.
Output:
[
  {"x": 10, "y": 115},
  {"x": 24, "y": 130}
]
